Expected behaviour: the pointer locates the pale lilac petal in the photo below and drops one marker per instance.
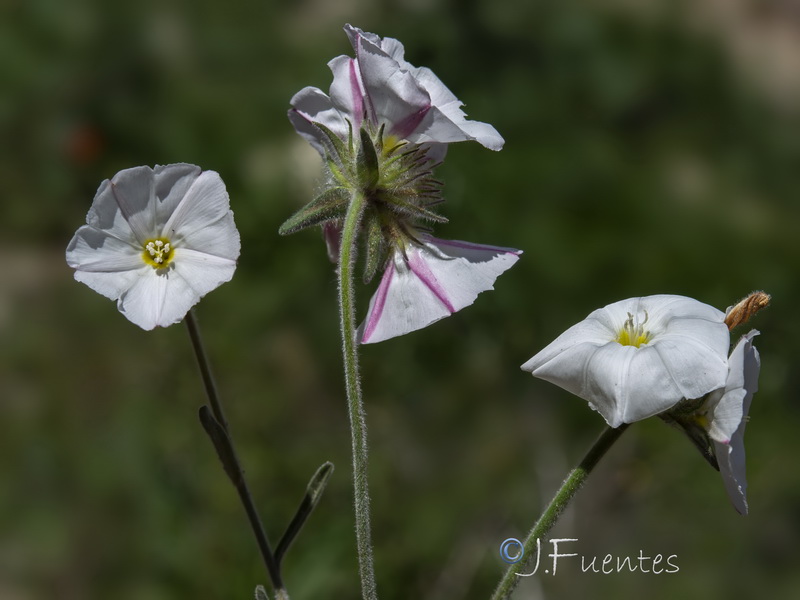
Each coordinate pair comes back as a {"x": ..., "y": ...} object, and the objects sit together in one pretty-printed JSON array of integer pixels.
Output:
[
  {"x": 438, "y": 279},
  {"x": 311, "y": 105}
]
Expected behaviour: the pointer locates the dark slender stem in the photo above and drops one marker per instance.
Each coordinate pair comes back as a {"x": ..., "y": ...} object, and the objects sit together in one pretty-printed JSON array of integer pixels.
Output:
[
  {"x": 238, "y": 480},
  {"x": 568, "y": 489}
]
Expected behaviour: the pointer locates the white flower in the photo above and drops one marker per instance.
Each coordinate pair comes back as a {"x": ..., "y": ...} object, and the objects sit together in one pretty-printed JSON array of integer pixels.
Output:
[
  {"x": 724, "y": 415},
  {"x": 423, "y": 284},
  {"x": 638, "y": 357},
  {"x": 157, "y": 240},
  {"x": 379, "y": 86}
]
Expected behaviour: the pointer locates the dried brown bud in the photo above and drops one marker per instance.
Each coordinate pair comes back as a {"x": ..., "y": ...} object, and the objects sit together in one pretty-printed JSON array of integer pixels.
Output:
[{"x": 741, "y": 312}]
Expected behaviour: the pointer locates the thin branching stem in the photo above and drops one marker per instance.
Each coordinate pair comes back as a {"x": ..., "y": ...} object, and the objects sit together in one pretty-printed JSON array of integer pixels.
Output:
[{"x": 236, "y": 473}]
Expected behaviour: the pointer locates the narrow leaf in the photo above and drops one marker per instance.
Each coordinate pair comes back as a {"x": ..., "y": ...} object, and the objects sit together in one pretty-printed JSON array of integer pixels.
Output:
[
  {"x": 313, "y": 493},
  {"x": 222, "y": 444},
  {"x": 326, "y": 206}
]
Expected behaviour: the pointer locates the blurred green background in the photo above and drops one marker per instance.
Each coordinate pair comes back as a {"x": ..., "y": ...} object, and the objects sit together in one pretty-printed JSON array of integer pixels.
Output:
[{"x": 651, "y": 147}]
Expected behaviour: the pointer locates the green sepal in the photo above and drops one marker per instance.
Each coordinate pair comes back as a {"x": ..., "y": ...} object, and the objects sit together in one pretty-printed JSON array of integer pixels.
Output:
[
  {"x": 367, "y": 162},
  {"x": 310, "y": 500},
  {"x": 335, "y": 148},
  {"x": 696, "y": 434},
  {"x": 396, "y": 203},
  {"x": 376, "y": 244},
  {"x": 330, "y": 204}
]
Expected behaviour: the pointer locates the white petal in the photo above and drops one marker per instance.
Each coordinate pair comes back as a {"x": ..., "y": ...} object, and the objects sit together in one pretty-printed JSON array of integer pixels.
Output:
[
  {"x": 437, "y": 280},
  {"x": 204, "y": 203},
  {"x": 220, "y": 238},
  {"x": 162, "y": 297},
  {"x": 393, "y": 97},
  {"x": 106, "y": 264},
  {"x": 685, "y": 357},
  {"x": 745, "y": 366},
  {"x": 171, "y": 184},
  {"x": 133, "y": 192},
  {"x": 347, "y": 92},
  {"x": 311, "y": 105}
]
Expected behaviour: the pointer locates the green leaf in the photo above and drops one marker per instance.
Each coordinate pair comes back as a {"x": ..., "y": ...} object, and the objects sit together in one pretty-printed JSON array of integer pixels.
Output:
[
  {"x": 312, "y": 496},
  {"x": 222, "y": 444},
  {"x": 330, "y": 204}
]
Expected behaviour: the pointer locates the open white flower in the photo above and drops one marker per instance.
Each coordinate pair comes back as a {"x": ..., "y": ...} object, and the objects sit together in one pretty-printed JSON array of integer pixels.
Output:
[
  {"x": 639, "y": 357},
  {"x": 157, "y": 240},
  {"x": 724, "y": 416},
  {"x": 425, "y": 283}
]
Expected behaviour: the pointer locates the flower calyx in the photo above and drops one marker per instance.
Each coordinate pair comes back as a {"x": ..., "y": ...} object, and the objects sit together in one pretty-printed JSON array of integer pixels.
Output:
[{"x": 395, "y": 177}]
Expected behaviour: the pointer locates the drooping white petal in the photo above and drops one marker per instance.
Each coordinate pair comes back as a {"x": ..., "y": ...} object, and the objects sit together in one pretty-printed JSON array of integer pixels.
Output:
[
  {"x": 311, "y": 105},
  {"x": 745, "y": 365},
  {"x": 683, "y": 357},
  {"x": 430, "y": 283}
]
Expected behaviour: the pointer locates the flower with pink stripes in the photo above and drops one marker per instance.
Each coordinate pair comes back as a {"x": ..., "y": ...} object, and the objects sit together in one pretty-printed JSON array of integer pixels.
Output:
[
  {"x": 429, "y": 281},
  {"x": 379, "y": 88}
]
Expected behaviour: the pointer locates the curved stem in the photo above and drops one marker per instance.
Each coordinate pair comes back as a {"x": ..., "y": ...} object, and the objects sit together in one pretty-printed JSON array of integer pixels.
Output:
[
  {"x": 358, "y": 427},
  {"x": 568, "y": 489},
  {"x": 233, "y": 469}
]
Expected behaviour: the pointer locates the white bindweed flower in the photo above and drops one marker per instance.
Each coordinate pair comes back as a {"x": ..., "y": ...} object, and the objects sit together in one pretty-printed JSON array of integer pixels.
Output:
[
  {"x": 724, "y": 416},
  {"x": 378, "y": 86},
  {"x": 428, "y": 282},
  {"x": 639, "y": 357},
  {"x": 157, "y": 240}
]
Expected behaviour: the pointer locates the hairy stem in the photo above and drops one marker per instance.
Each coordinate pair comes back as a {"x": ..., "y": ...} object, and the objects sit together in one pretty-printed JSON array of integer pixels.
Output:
[
  {"x": 358, "y": 427},
  {"x": 233, "y": 468},
  {"x": 569, "y": 488}
]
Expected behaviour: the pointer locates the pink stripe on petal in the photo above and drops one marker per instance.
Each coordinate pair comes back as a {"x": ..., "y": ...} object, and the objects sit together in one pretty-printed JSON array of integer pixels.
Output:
[
  {"x": 471, "y": 246},
  {"x": 380, "y": 301},
  {"x": 421, "y": 269},
  {"x": 358, "y": 97},
  {"x": 410, "y": 123}
]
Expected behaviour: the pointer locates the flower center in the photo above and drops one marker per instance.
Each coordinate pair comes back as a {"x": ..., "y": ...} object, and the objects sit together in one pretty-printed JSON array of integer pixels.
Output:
[
  {"x": 158, "y": 253},
  {"x": 633, "y": 333}
]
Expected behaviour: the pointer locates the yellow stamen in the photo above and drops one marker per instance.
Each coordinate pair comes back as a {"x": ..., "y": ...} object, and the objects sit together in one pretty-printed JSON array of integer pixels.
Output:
[
  {"x": 158, "y": 253},
  {"x": 632, "y": 333}
]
